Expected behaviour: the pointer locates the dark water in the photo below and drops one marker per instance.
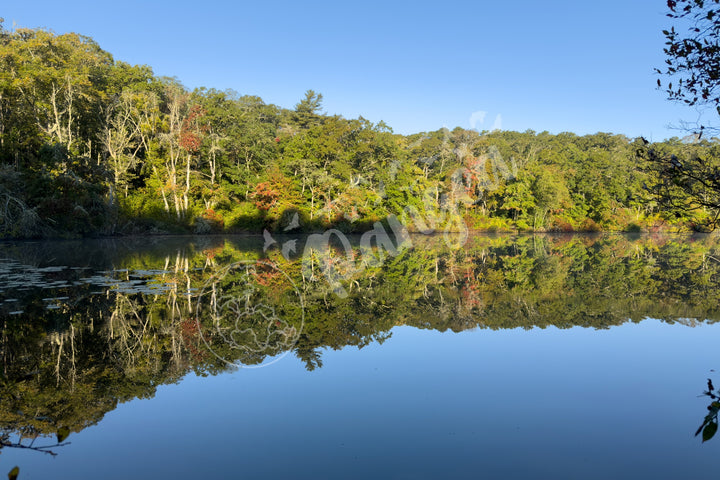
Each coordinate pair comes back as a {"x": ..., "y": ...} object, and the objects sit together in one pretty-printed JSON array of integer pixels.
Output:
[{"x": 508, "y": 357}]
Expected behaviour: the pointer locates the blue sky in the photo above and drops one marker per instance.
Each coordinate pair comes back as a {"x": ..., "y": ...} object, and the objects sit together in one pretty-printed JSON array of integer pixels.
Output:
[{"x": 579, "y": 66}]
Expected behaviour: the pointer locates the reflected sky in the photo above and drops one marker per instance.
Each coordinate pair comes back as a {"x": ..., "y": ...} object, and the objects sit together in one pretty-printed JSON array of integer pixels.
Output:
[
  {"x": 575, "y": 403},
  {"x": 443, "y": 386}
]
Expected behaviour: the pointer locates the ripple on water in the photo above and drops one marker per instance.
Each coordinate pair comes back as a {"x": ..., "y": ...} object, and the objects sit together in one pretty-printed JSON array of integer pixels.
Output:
[
  {"x": 53, "y": 299},
  {"x": 16, "y": 277},
  {"x": 51, "y": 269}
]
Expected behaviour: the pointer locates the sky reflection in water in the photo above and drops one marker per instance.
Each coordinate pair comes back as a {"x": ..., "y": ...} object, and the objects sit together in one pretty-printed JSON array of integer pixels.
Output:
[{"x": 621, "y": 402}]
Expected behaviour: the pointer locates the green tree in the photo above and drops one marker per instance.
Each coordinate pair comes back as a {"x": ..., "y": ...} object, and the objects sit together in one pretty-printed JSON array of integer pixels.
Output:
[
  {"x": 307, "y": 111},
  {"x": 550, "y": 193},
  {"x": 690, "y": 182},
  {"x": 685, "y": 180},
  {"x": 60, "y": 81}
]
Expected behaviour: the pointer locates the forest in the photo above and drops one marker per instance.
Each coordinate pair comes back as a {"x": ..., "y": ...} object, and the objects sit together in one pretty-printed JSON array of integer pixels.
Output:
[{"x": 93, "y": 146}]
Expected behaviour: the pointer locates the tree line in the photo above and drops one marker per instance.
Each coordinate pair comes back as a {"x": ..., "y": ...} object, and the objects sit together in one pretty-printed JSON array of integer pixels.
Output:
[{"x": 90, "y": 145}]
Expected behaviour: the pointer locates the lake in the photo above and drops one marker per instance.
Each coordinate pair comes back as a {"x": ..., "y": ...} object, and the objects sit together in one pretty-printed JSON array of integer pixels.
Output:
[{"x": 334, "y": 357}]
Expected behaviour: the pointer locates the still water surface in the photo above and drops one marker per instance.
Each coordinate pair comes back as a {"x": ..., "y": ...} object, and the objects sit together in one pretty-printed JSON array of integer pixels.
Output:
[{"x": 512, "y": 357}]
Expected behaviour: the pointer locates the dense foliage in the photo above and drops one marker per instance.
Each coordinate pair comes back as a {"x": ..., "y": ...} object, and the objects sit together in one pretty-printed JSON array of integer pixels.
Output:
[
  {"x": 689, "y": 179},
  {"x": 693, "y": 52},
  {"x": 91, "y": 146}
]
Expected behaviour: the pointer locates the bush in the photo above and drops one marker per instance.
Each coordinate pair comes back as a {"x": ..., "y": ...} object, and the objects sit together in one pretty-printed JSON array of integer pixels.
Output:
[
  {"x": 209, "y": 222},
  {"x": 633, "y": 228},
  {"x": 590, "y": 225},
  {"x": 523, "y": 225},
  {"x": 561, "y": 225},
  {"x": 244, "y": 216},
  {"x": 488, "y": 224}
]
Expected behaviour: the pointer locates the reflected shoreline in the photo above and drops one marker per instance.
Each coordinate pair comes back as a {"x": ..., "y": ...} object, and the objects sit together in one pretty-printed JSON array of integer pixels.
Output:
[{"x": 89, "y": 324}]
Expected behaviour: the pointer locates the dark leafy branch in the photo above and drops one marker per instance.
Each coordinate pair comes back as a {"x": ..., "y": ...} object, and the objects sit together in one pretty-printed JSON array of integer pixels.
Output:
[
  {"x": 693, "y": 54},
  {"x": 709, "y": 426}
]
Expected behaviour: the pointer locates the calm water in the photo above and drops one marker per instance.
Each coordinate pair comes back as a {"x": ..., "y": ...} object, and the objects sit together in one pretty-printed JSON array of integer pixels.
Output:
[{"x": 510, "y": 357}]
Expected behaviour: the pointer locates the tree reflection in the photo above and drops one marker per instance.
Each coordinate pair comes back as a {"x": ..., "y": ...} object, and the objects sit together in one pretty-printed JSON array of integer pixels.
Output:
[
  {"x": 13, "y": 438},
  {"x": 710, "y": 423},
  {"x": 143, "y": 319}
]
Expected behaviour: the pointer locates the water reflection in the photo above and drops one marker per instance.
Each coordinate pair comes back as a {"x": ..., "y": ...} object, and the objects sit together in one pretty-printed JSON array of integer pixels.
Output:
[
  {"x": 89, "y": 325},
  {"x": 16, "y": 438},
  {"x": 709, "y": 426}
]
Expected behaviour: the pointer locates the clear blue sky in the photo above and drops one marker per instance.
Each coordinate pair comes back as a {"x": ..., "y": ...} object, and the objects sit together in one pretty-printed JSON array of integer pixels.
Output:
[{"x": 575, "y": 65}]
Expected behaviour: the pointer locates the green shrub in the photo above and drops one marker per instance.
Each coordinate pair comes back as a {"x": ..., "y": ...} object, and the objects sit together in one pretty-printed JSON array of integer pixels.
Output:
[{"x": 244, "y": 216}]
